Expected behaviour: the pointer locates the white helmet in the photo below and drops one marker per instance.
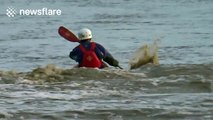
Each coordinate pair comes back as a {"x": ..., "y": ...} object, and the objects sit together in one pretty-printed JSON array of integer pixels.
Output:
[{"x": 84, "y": 34}]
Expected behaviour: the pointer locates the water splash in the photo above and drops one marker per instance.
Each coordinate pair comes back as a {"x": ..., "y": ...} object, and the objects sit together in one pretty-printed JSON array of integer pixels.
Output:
[{"x": 147, "y": 53}]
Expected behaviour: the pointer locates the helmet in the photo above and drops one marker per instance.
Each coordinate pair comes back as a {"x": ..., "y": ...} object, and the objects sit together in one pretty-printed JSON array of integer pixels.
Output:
[{"x": 85, "y": 33}]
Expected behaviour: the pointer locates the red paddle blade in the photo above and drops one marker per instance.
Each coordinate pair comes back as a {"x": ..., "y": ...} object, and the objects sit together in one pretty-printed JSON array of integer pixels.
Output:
[{"x": 68, "y": 35}]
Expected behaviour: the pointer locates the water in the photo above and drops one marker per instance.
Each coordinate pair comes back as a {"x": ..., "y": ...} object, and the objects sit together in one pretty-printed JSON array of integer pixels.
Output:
[{"x": 180, "y": 88}]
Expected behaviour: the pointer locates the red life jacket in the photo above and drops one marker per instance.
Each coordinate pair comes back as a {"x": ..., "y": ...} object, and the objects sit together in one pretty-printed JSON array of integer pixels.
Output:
[{"x": 90, "y": 59}]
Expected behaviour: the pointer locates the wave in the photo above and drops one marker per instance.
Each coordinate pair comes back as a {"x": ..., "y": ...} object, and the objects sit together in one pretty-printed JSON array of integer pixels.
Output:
[
  {"x": 179, "y": 69},
  {"x": 51, "y": 73},
  {"x": 149, "y": 78}
]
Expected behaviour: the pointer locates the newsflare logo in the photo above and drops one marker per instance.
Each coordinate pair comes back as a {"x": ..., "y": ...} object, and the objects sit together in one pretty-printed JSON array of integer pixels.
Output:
[{"x": 12, "y": 12}]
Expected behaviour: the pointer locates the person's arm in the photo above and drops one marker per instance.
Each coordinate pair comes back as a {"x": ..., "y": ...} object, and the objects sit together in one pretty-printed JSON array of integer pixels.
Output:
[
  {"x": 111, "y": 61},
  {"x": 107, "y": 57},
  {"x": 75, "y": 54}
]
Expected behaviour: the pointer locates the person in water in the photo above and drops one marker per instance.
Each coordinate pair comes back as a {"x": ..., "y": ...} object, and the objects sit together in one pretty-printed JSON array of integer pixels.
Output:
[{"x": 91, "y": 54}]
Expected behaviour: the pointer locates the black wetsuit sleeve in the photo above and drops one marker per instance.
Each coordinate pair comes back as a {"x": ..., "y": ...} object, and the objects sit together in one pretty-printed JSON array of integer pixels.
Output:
[
  {"x": 107, "y": 57},
  {"x": 111, "y": 61}
]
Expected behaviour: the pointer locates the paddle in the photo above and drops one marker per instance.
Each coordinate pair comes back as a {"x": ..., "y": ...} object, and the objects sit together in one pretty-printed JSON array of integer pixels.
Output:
[{"x": 68, "y": 35}]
